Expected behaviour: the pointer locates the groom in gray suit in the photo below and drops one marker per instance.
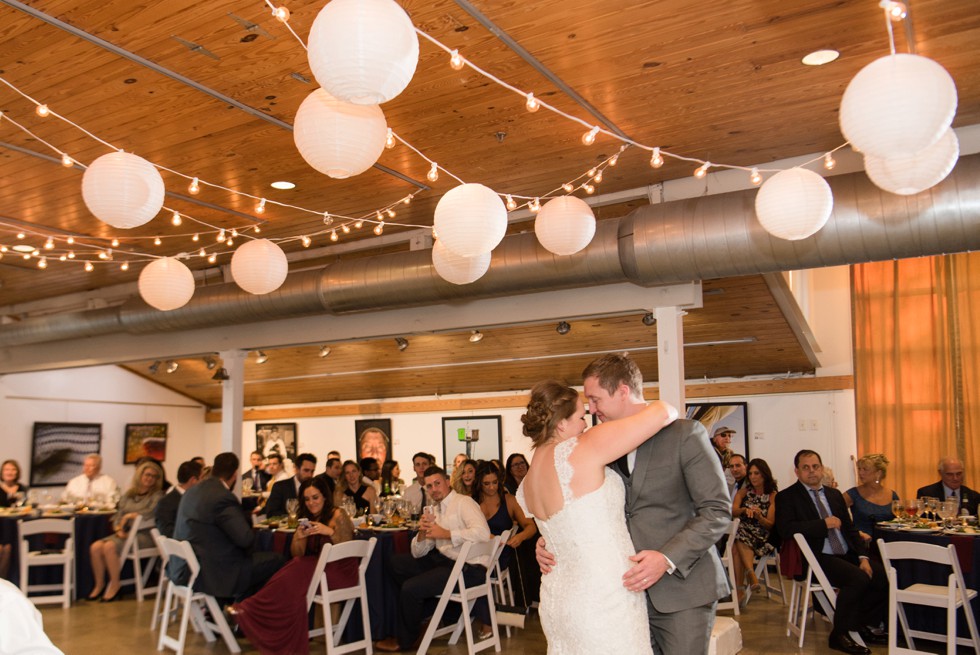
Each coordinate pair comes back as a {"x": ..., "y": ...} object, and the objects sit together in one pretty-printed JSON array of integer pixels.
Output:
[{"x": 677, "y": 508}]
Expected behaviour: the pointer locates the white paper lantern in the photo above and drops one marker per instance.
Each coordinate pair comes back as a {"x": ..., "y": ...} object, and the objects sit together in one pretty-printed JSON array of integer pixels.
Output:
[
  {"x": 456, "y": 268},
  {"x": 166, "y": 284},
  {"x": 337, "y": 138},
  {"x": 565, "y": 225},
  {"x": 910, "y": 174},
  {"x": 259, "y": 266},
  {"x": 793, "y": 204},
  {"x": 896, "y": 105},
  {"x": 363, "y": 51},
  {"x": 470, "y": 220},
  {"x": 122, "y": 189}
]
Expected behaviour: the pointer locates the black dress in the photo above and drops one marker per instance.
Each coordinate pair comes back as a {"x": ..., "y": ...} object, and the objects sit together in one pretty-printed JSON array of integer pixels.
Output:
[
  {"x": 7, "y": 501},
  {"x": 359, "y": 501}
]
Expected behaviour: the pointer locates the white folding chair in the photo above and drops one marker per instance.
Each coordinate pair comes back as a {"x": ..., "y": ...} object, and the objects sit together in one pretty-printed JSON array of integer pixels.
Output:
[
  {"x": 457, "y": 591},
  {"x": 764, "y": 576},
  {"x": 320, "y": 592},
  {"x": 728, "y": 561},
  {"x": 131, "y": 552},
  {"x": 163, "y": 581},
  {"x": 192, "y": 604},
  {"x": 953, "y": 596},
  {"x": 503, "y": 590},
  {"x": 63, "y": 557}
]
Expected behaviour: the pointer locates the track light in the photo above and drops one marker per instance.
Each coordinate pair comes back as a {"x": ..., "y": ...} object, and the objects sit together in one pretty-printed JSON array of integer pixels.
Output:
[
  {"x": 261, "y": 357},
  {"x": 649, "y": 319},
  {"x": 476, "y": 336},
  {"x": 210, "y": 363},
  {"x": 172, "y": 366},
  {"x": 563, "y": 328},
  {"x": 221, "y": 374},
  {"x": 154, "y": 367},
  {"x": 402, "y": 343},
  {"x": 324, "y": 351}
]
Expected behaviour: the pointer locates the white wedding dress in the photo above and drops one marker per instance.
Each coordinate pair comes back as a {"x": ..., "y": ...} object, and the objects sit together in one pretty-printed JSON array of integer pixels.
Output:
[{"x": 584, "y": 606}]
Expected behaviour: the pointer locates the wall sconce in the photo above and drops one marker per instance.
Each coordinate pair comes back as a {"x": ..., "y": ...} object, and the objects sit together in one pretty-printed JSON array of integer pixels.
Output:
[
  {"x": 649, "y": 319},
  {"x": 324, "y": 351},
  {"x": 476, "y": 336},
  {"x": 563, "y": 328},
  {"x": 402, "y": 343},
  {"x": 172, "y": 366},
  {"x": 210, "y": 362},
  {"x": 261, "y": 357}
]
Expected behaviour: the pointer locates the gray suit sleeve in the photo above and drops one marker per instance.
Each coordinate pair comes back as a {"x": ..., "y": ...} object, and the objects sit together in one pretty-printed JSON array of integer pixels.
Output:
[{"x": 231, "y": 520}]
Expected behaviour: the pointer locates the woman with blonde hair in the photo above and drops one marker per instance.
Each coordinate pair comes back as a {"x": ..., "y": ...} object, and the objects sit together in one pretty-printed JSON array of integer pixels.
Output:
[
  {"x": 463, "y": 478},
  {"x": 870, "y": 501}
]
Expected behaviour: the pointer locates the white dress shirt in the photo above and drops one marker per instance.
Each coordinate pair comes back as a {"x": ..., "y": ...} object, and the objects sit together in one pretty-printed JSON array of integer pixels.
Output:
[
  {"x": 21, "y": 631},
  {"x": 79, "y": 487},
  {"x": 464, "y": 519},
  {"x": 413, "y": 494}
]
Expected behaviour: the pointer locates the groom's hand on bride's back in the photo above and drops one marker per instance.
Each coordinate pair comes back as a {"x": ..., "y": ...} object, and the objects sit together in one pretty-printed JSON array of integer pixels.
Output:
[{"x": 546, "y": 561}]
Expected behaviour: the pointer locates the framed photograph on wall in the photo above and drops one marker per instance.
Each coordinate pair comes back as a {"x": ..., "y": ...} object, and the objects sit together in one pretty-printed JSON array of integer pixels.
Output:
[
  {"x": 145, "y": 440},
  {"x": 477, "y": 437},
  {"x": 58, "y": 451},
  {"x": 276, "y": 438},
  {"x": 732, "y": 416},
  {"x": 373, "y": 439}
]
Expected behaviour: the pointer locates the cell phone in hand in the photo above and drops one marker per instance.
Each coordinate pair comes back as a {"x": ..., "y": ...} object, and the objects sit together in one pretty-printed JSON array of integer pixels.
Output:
[{"x": 304, "y": 524}]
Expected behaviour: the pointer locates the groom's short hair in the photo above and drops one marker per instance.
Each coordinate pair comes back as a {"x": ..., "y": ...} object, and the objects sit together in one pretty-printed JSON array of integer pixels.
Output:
[{"x": 615, "y": 369}]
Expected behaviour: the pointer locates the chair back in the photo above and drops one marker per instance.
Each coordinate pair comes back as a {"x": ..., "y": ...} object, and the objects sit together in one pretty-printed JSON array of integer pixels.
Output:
[
  {"x": 914, "y": 550},
  {"x": 181, "y": 550},
  {"x": 825, "y": 591},
  {"x": 157, "y": 537},
  {"x": 335, "y": 552},
  {"x": 131, "y": 536},
  {"x": 46, "y": 526}
]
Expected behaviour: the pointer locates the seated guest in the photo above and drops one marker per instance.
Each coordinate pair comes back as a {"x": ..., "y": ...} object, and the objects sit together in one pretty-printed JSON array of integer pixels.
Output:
[
  {"x": 371, "y": 473},
  {"x": 514, "y": 472},
  {"x": 139, "y": 500},
  {"x": 828, "y": 478},
  {"x": 820, "y": 515},
  {"x": 391, "y": 483},
  {"x": 951, "y": 486},
  {"x": 91, "y": 483},
  {"x": 463, "y": 478},
  {"x": 422, "y": 575},
  {"x": 331, "y": 475},
  {"x": 870, "y": 502},
  {"x": 260, "y": 479},
  {"x": 415, "y": 492},
  {"x": 275, "y": 618},
  {"x": 755, "y": 507},
  {"x": 352, "y": 486},
  {"x": 188, "y": 474},
  {"x": 10, "y": 486},
  {"x": 212, "y": 520},
  {"x": 289, "y": 488},
  {"x": 277, "y": 472},
  {"x": 736, "y": 465}
]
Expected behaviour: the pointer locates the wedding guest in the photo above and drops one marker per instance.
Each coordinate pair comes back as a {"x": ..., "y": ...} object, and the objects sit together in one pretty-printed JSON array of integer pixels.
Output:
[
  {"x": 275, "y": 469},
  {"x": 415, "y": 493},
  {"x": 139, "y": 500},
  {"x": 721, "y": 439},
  {"x": 331, "y": 474},
  {"x": 951, "y": 486},
  {"x": 458, "y": 460},
  {"x": 870, "y": 501},
  {"x": 261, "y": 481},
  {"x": 755, "y": 507},
  {"x": 736, "y": 465},
  {"x": 463, "y": 478},
  {"x": 828, "y": 478},
  {"x": 188, "y": 474},
  {"x": 352, "y": 486},
  {"x": 515, "y": 471},
  {"x": 289, "y": 488},
  {"x": 391, "y": 483},
  {"x": 275, "y": 618},
  {"x": 92, "y": 482},
  {"x": 371, "y": 473},
  {"x": 10, "y": 486}
]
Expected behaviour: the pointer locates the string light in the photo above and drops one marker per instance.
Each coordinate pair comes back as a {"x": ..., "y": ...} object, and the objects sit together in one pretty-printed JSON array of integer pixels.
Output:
[
  {"x": 408, "y": 199},
  {"x": 532, "y": 104},
  {"x": 333, "y": 235},
  {"x": 221, "y": 236},
  {"x": 567, "y": 186},
  {"x": 656, "y": 160},
  {"x": 124, "y": 266},
  {"x": 195, "y": 238},
  {"x": 829, "y": 162},
  {"x": 27, "y": 255},
  {"x": 589, "y": 189},
  {"x": 535, "y": 206},
  {"x": 511, "y": 205},
  {"x": 89, "y": 267},
  {"x": 391, "y": 213},
  {"x": 202, "y": 253},
  {"x": 379, "y": 228},
  {"x": 234, "y": 233},
  {"x": 755, "y": 178},
  {"x": 194, "y": 188},
  {"x": 21, "y": 235},
  {"x": 70, "y": 240},
  {"x": 897, "y": 11},
  {"x": 103, "y": 255},
  {"x": 49, "y": 244},
  {"x": 702, "y": 170},
  {"x": 71, "y": 254},
  {"x": 212, "y": 259},
  {"x": 456, "y": 61},
  {"x": 115, "y": 243},
  {"x": 433, "y": 173},
  {"x": 67, "y": 161},
  {"x": 42, "y": 263},
  {"x": 256, "y": 229},
  {"x": 62, "y": 258},
  {"x": 589, "y": 137},
  {"x": 358, "y": 224},
  {"x": 281, "y": 14},
  {"x": 260, "y": 208},
  {"x": 175, "y": 219},
  {"x": 306, "y": 241},
  {"x": 230, "y": 242},
  {"x": 597, "y": 177},
  {"x": 591, "y": 172},
  {"x": 3, "y": 248},
  {"x": 615, "y": 158},
  {"x": 390, "y": 139},
  {"x": 157, "y": 241},
  {"x": 42, "y": 111},
  {"x": 346, "y": 228}
]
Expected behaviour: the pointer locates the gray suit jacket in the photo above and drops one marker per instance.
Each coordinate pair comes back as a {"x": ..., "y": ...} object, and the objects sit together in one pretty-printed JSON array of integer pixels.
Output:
[{"x": 677, "y": 503}]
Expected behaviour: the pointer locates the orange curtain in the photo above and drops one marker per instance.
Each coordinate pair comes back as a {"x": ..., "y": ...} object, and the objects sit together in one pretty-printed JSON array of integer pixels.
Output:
[{"x": 917, "y": 365}]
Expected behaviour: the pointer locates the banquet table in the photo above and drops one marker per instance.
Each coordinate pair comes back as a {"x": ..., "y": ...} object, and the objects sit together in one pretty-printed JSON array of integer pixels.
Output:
[{"x": 967, "y": 547}]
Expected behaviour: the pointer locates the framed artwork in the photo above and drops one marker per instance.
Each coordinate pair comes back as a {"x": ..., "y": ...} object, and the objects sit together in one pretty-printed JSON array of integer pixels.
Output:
[
  {"x": 58, "y": 451},
  {"x": 373, "y": 439},
  {"x": 145, "y": 440},
  {"x": 477, "y": 437},
  {"x": 733, "y": 416},
  {"x": 276, "y": 438}
]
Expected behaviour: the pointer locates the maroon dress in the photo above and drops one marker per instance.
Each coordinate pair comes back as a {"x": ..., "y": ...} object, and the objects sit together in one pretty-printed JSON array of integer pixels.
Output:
[{"x": 276, "y": 619}]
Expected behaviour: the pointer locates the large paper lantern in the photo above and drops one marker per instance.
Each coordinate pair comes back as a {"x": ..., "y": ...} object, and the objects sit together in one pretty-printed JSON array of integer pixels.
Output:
[
  {"x": 793, "y": 204},
  {"x": 456, "y": 268},
  {"x": 565, "y": 225},
  {"x": 122, "y": 189},
  {"x": 363, "y": 51},
  {"x": 337, "y": 138},
  {"x": 896, "y": 105},
  {"x": 259, "y": 266},
  {"x": 470, "y": 220},
  {"x": 166, "y": 284},
  {"x": 915, "y": 172}
]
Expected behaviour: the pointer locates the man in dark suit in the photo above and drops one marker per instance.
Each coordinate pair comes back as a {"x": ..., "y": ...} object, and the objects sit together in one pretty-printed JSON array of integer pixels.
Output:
[
  {"x": 188, "y": 475},
  {"x": 951, "y": 485},
  {"x": 289, "y": 488},
  {"x": 212, "y": 520},
  {"x": 332, "y": 473},
  {"x": 820, "y": 515},
  {"x": 258, "y": 476}
]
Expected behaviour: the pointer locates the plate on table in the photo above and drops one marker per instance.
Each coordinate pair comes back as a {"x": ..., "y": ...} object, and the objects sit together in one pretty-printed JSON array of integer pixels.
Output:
[
  {"x": 921, "y": 530},
  {"x": 961, "y": 531},
  {"x": 385, "y": 528},
  {"x": 889, "y": 525}
]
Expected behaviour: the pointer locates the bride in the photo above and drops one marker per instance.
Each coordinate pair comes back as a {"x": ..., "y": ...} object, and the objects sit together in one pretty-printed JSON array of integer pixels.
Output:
[{"x": 578, "y": 505}]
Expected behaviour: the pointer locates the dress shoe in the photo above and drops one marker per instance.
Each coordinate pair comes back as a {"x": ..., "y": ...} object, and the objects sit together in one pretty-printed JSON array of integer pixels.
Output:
[
  {"x": 389, "y": 645},
  {"x": 845, "y": 644},
  {"x": 876, "y": 638},
  {"x": 112, "y": 599},
  {"x": 94, "y": 596}
]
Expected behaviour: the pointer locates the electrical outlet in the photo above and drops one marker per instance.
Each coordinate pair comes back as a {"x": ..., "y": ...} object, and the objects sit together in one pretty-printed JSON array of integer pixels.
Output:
[{"x": 758, "y": 436}]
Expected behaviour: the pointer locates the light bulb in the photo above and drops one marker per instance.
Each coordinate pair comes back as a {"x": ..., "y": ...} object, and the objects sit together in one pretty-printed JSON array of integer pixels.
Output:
[
  {"x": 103, "y": 255},
  {"x": 378, "y": 216},
  {"x": 306, "y": 241},
  {"x": 281, "y": 14},
  {"x": 589, "y": 189},
  {"x": 202, "y": 253},
  {"x": 27, "y": 255},
  {"x": 71, "y": 254},
  {"x": 3, "y": 248},
  {"x": 455, "y": 60},
  {"x": 175, "y": 219},
  {"x": 511, "y": 205},
  {"x": 656, "y": 161},
  {"x": 49, "y": 244},
  {"x": 230, "y": 242},
  {"x": 535, "y": 206},
  {"x": 124, "y": 266},
  {"x": 358, "y": 224},
  {"x": 257, "y": 229},
  {"x": 379, "y": 228},
  {"x": 532, "y": 103},
  {"x": 567, "y": 186},
  {"x": 333, "y": 235},
  {"x": 391, "y": 213},
  {"x": 21, "y": 235},
  {"x": 212, "y": 258},
  {"x": 589, "y": 137},
  {"x": 67, "y": 161},
  {"x": 194, "y": 188},
  {"x": 614, "y": 160},
  {"x": 897, "y": 11},
  {"x": 63, "y": 258},
  {"x": 829, "y": 162},
  {"x": 597, "y": 177},
  {"x": 755, "y": 178},
  {"x": 89, "y": 267},
  {"x": 327, "y": 218},
  {"x": 70, "y": 240},
  {"x": 234, "y": 233},
  {"x": 591, "y": 172},
  {"x": 702, "y": 170},
  {"x": 390, "y": 139},
  {"x": 42, "y": 111},
  {"x": 156, "y": 241},
  {"x": 260, "y": 208},
  {"x": 346, "y": 228},
  {"x": 433, "y": 173},
  {"x": 42, "y": 263},
  {"x": 407, "y": 200},
  {"x": 221, "y": 236},
  {"x": 115, "y": 243},
  {"x": 196, "y": 237}
]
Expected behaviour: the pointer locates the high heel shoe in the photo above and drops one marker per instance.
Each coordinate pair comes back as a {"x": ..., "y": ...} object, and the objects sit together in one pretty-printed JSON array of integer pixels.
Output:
[
  {"x": 95, "y": 596},
  {"x": 107, "y": 599}
]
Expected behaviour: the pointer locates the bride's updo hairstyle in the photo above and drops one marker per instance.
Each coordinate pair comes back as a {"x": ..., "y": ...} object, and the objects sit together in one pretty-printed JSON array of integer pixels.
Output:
[{"x": 551, "y": 401}]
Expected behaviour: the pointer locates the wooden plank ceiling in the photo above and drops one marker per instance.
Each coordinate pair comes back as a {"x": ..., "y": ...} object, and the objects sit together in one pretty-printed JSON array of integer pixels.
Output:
[{"x": 718, "y": 81}]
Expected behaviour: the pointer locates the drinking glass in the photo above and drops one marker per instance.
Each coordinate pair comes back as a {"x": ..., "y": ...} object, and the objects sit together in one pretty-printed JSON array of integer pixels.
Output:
[
  {"x": 388, "y": 509},
  {"x": 292, "y": 508},
  {"x": 933, "y": 505},
  {"x": 898, "y": 509},
  {"x": 247, "y": 486},
  {"x": 911, "y": 508},
  {"x": 19, "y": 499}
]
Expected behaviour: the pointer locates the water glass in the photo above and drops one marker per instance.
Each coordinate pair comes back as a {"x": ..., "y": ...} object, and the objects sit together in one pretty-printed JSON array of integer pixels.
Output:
[{"x": 247, "y": 486}]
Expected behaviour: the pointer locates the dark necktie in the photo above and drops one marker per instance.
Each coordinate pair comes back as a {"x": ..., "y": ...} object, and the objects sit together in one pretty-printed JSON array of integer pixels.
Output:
[{"x": 833, "y": 535}]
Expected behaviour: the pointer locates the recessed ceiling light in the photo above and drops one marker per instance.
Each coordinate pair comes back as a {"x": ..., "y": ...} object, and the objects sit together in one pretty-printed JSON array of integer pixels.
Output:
[
  {"x": 282, "y": 184},
  {"x": 23, "y": 247},
  {"x": 820, "y": 57}
]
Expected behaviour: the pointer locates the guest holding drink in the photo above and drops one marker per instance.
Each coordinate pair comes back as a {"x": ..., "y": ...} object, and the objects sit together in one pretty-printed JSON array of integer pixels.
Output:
[
  {"x": 352, "y": 486},
  {"x": 463, "y": 478},
  {"x": 517, "y": 467},
  {"x": 870, "y": 501},
  {"x": 755, "y": 507}
]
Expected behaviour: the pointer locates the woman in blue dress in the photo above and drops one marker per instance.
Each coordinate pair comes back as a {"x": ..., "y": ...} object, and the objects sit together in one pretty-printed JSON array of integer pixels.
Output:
[{"x": 870, "y": 501}]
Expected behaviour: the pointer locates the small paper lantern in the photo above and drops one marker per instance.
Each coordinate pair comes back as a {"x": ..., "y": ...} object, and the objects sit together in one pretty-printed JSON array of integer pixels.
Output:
[
  {"x": 897, "y": 105},
  {"x": 470, "y": 220},
  {"x": 793, "y": 204},
  {"x": 910, "y": 174},
  {"x": 337, "y": 138},
  {"x": 259, "y": 266},
  {"x": 363, "y": 51},
  {"x": 456, "y": 268},
  {"x": 122, "y": 189},
  {"x": 166, "y": 284},
  {"x": 565, "y": 225}
]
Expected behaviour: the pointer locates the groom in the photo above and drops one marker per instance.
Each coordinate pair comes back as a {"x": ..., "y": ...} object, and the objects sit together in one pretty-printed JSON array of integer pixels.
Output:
[{"x": 677, "y": 508}]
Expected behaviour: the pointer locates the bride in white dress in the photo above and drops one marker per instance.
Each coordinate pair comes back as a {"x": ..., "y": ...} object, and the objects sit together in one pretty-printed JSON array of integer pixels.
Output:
[{"x": 579, "y": 506}]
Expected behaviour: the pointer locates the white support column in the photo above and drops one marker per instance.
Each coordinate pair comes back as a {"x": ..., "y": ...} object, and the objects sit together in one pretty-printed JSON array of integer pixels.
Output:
[
  {"x": 670, "y": 355},
  {"x": 233, "y": 401}
]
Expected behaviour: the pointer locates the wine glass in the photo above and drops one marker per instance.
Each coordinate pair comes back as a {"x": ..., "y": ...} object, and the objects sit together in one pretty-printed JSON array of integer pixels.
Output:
[
  {"x": 911, "y": 509},
  {"x": 388, "y": 509},
  {"x": 898, "y": 509},
  {"x": 292, "y": 509},
  {"x": 247, "y": 486},
  {"x": 933, "y": 505}
]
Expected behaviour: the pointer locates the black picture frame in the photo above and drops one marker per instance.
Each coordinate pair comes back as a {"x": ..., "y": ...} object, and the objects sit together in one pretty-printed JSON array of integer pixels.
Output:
[
  {"x": 58, "y": 451},
  {"x": 488, "y": 445},
  {"x": 145, "y": 440},
  {"x": 274, "y": 437},
  {"x": 369, "y": 433},
  {"x": 734, "y": 415}
]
